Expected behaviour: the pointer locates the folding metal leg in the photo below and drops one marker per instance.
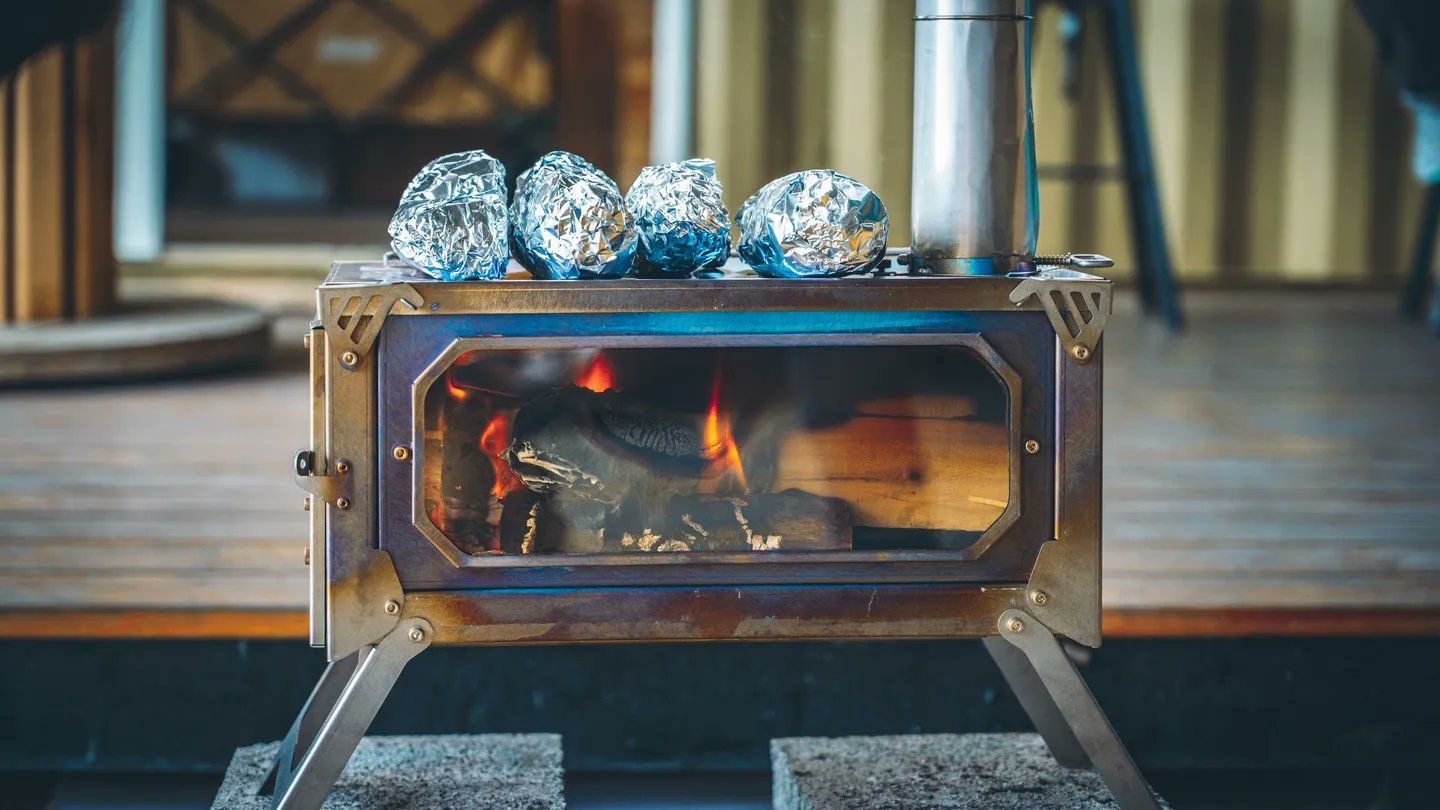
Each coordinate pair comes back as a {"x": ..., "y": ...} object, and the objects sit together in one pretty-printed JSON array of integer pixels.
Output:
[
  {"x": 302, "y": 732},
  {"x": 1036, "y": 701},
  {"x": 335, "y": 718},
  {"x": 1066, "y": 702}
]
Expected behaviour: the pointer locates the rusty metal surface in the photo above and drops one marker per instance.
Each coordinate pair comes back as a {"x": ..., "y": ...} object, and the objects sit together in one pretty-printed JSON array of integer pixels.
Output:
[
  {"x": 315, "y": 552},
  {"x": 766, "y": 613},
  {"x": 360, "y": 577},
  {"x": 1064, "y": 590}
]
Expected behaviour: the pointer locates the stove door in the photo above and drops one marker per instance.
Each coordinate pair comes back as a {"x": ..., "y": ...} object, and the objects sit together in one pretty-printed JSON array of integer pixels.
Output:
[{"x": 593, "y": 459}]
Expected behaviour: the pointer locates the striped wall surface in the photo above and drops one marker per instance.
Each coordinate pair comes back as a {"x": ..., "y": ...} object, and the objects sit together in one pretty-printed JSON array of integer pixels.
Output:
[{"x": 1281, "y": 146}]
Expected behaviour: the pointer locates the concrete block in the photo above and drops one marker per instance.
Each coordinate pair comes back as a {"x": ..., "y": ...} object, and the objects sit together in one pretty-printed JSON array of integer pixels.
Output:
[
  {"x": 492, "y": 771},
  {"x": 931, "y": 771}
]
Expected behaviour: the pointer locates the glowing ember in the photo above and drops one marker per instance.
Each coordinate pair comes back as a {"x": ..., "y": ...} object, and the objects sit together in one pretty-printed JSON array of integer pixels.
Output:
[
  {"x": 719, "y": 442},
  {"x": 493, "y": 441},
  {"x": 598, "y": 376}
]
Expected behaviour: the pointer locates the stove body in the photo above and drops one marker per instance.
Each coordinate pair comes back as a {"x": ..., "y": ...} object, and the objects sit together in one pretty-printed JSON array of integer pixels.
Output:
[
  {"x": 375, "y": 446},
  {"x": 403, "y": 556}
]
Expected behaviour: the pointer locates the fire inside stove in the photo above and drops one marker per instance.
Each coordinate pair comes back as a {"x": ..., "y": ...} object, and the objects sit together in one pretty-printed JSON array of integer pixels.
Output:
[{"x": 766, "y": 449}]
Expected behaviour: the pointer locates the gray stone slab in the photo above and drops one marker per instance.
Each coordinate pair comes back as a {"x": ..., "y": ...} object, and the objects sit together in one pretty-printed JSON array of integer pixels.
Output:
[
  {"x": 492, "y": 771},
  {"x": 928, "y": 772}
]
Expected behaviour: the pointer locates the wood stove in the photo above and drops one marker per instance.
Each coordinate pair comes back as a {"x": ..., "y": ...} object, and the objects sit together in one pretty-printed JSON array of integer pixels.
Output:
[{"x": 719, "y": 459}]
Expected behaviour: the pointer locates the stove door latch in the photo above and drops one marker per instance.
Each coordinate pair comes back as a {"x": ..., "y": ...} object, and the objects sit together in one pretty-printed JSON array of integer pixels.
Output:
[{"x": 332, "y": 489}]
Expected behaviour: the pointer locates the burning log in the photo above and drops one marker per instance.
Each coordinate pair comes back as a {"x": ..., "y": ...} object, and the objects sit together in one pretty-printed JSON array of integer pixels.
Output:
[
  {"x": 467, "y": 477},
  {"x": 782, "y": 521},
  {"x": 603, "y": 447}
]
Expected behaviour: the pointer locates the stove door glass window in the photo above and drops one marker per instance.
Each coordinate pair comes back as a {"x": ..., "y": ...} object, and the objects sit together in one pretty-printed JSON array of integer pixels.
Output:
[{"x": 684, "y": 450}]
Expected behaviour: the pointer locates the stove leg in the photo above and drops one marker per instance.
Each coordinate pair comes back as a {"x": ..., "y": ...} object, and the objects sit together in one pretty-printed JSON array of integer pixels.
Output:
[
  {"x": 1067, "y": 703},
  {"x": 1036, "y": 701},
  {"x": 335, "y": 718},
  {"x": 302, "y": 732}
]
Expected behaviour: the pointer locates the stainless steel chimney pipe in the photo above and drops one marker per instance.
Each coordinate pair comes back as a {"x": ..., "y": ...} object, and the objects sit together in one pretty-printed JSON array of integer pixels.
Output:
[{"x": 974, "y": 204}]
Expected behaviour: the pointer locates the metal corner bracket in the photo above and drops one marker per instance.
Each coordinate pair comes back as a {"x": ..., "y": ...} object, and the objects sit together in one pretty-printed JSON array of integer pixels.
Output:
[
  {"x": 1077, "y": 304},
  {"x": 353, "y": 316},
  {"x": 1063, "y": 592}
]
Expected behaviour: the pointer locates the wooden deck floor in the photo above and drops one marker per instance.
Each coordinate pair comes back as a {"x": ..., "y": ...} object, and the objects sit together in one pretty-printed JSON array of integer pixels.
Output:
[{"x": 1274, "y": 470}]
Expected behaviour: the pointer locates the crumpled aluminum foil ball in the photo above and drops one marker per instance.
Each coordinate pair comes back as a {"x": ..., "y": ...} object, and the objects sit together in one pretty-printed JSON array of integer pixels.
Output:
[
  {"x": 682, "y": 221},
  {"x": 569, "y": 221},
  {"x": 813, "y": 223},
  {"x": 452, "y": 222}
]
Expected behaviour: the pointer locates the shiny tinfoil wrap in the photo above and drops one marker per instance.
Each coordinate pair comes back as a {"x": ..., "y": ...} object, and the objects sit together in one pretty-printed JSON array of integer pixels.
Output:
[
  {"x": 568, "y": 220},
  {"x": 682, "y": 221},
  {"x": 452, "y": 222},
  {"x": 813, "y": 223}
]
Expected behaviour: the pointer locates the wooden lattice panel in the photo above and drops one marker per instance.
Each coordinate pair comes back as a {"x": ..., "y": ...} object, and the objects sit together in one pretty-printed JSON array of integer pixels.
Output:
[{"x": 431, "y": 61}]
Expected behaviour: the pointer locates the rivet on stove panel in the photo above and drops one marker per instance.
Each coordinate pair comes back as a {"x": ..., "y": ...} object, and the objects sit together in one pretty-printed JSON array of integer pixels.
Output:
[
  {"x": 392, "y": 607},
  {"x": 1080, "y": 353},
  {"x": 417, "y": 635},
  {"x": 342, "y": 466},
  {"x": 349, "y": 359},
  {"x": 342, "y": 504},
  {"x": 1032, "y": 447},
  {"x": 401, "y": 452},
  {"x": 1017, "y": 626},
  {"x": 1039, "y": 597}
]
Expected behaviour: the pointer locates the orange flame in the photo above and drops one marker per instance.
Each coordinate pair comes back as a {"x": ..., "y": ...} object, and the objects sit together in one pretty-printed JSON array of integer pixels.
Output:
[
  {"x": 598, "y": 376},
  {"x": 493, "y": 441},
  {"x": 720, "y": 448},
  {"x": 457, "y": 392}
]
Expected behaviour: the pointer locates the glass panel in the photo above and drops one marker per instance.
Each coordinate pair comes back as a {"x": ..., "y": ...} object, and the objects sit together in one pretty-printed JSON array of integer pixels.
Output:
[{"x": 774, "y": 449}]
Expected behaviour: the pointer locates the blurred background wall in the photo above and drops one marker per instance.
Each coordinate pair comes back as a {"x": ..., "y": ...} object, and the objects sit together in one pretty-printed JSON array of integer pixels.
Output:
[{"x": 1281, "y": 147}]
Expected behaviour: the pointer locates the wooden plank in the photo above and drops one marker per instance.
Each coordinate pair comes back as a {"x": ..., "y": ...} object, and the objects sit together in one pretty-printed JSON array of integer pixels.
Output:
[
  {"x": 1250, "y": 623},
  {"x": 730, "y": 88},
  {"x": 586, "y": 78},
  {"x": 1264, "y": 116},
  {"x": 194, "y": 625},
  {"x": 632, "y": 89},
  {"x": 7, "y": 208},
  {"x": 1166, "y": 42},
  {"x": 40, "y": 250},
  {"x": 1311, "y": 155},
  {"x": 857, "y": 104},
  {"x": 86, "y": 588},
  {"x": 1356, "y": 183},
  {"x": 1056, "y": 123},
  {"x": 93, "y": 157},
  {"x": 188, "y": 625}
]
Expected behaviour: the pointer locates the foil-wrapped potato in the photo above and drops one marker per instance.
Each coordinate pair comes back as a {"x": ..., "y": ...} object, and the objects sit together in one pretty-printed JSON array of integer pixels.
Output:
[
  {"x": 568, "y": 221},
  {"x": 451, "y": 222},
  {"x": 813, "y": 223},
  {"x": 682, "y": 222}
]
